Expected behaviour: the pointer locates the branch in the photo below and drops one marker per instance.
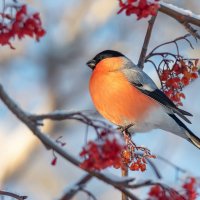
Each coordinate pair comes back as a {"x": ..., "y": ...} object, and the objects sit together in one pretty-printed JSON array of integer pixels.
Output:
[
  {"x": 175, "y": 42},
  {"x": 155, "y": 169},
  {"x": 185, "y": 17},
  {"x": 74, "y": 115},
  {"x": 179, "y": 13},
  {"x": 146, "y": 42},
  {"x": 172, "y": 164},
  {"x": 76, "y": 187},
  {"x": 165, "y": 187},
  {"x": 10, "y": 194},
  {"x": 50, "y": 144},
  {"x": 90, "y": 195}
]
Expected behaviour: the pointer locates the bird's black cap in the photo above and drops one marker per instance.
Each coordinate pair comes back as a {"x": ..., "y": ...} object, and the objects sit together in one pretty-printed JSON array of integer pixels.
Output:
[{"x": 102, "y": 55}]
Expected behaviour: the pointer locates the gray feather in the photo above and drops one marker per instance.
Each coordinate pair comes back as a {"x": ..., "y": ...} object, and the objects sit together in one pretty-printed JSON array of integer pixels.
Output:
[
  {"x": 145, "y": 84},
  {"x": 135, "y": 75}
]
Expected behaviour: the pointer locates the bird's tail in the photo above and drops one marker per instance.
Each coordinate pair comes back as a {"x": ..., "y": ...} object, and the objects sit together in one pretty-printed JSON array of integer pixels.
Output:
[{"x": 193, "y": 138}]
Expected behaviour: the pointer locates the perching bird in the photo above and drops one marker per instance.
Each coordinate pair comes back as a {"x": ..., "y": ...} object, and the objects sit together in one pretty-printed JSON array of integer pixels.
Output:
[{"x": 124, "y": 94}]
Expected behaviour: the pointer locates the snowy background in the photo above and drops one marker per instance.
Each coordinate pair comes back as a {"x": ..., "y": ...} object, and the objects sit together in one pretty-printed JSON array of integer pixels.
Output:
[{"x": 52, "y": 75}]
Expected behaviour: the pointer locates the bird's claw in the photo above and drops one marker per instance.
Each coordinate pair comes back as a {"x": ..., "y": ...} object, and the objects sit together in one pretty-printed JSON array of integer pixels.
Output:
[
  {"x": 124, "y": 129},
  {"x": 127, "y": 135}
]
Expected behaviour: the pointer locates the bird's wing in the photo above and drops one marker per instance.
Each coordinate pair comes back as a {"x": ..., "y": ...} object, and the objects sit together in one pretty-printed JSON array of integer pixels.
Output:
[{"x": 145, "y": 84}]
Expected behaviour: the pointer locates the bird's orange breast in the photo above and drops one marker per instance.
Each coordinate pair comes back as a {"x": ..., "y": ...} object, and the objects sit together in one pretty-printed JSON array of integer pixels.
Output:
[{"x": 116, "y": 99}]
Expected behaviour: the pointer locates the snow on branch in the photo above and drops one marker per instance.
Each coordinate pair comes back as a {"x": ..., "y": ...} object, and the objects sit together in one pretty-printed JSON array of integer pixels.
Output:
[
  {"x": 73, "y": 189},
  {"x": 175, "y": 11},
  {"x": 185, "y": 17}
]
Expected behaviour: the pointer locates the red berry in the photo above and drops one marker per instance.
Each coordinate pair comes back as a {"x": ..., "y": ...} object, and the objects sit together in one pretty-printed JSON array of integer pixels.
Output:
[
  {"x": 126, "y": 154},
  {"x": 134, "y": 167},
  {"x": 142, "y": 167},
  {"x": 185, "y": 81},
  {"x": 54, "y": 161},
  {"x": 194, "y": 75},
  {"x": 182, "y": 95}
]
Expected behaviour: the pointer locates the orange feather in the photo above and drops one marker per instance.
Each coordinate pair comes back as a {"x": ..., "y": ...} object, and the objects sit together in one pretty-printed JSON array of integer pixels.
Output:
[{"x": 114, "y": 97}]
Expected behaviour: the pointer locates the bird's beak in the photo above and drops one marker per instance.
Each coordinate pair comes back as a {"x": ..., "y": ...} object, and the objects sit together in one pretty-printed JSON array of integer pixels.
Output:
[{"x": 91, "y": 64}]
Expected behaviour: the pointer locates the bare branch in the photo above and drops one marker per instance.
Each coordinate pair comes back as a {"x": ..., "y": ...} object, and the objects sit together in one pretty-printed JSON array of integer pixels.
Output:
[
  {"x": 13, "y": 195},
  {"x": 90, "y": 195},
  {"x": 146, "y": 42},
  {"x": 186, "y": 18},
  {"x": 153, "y": 53},
  {"x": 80, "y": 116},
  {"x": 172, "y": 164},
  {"x": 155, "y": 169},
  {"x": 76, "y": 187}
]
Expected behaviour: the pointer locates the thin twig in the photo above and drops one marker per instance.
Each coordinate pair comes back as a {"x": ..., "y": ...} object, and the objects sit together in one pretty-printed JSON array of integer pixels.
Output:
[
  {"x": 80, "y": 116},
  {"x": 155, "y": 169},
  {"x": 13, "y": 195},
  {"x": 163, "y": 55},
  {"x": 146, "y": 42},
  {"x": 152, "y": 53},
  {"x": 90, "y": 195},
  {"x": 172, "y": 164},
  {"x": 76, "y": 187}
]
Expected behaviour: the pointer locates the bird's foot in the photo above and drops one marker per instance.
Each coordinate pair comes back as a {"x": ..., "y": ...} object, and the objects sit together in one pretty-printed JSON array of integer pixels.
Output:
[
  {"x": 127, "y": 135},
  {"x": 124, "y": 129}
]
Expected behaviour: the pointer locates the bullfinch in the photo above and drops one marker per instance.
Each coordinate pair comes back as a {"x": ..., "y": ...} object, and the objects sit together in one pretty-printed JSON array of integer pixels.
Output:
[{"x": 124, "y": 94}]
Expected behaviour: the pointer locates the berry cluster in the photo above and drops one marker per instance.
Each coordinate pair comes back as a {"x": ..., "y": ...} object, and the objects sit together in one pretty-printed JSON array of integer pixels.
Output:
[
  {"x": 20, "y": 24},
  {"x": 190, "y": 188},
  {"x": 141, "y": 8},
  {"x": 135, "y": 157},
  {"x": 107, "y": 151},
  {"x": 134, "y": 163},
  {"x": 174, "y": 79},
  {"x": 159, "y": 192},
  {"x": 103, "y": 153}
]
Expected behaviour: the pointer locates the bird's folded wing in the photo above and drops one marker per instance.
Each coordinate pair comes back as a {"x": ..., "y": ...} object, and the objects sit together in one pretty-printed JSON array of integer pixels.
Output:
[{"x": 145, "y": 84}]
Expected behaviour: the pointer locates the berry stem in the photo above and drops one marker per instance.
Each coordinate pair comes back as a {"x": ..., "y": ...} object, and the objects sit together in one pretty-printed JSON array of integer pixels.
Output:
[
  {"x": 124, "y": 172},
  {"x": 146, "y": 42}
]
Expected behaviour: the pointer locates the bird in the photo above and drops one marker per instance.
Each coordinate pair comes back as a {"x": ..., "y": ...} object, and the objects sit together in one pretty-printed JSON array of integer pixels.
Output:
[{"x": 127, "y": 97}]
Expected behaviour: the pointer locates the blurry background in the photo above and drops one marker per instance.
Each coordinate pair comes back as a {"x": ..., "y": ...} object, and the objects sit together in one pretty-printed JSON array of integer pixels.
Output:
[{"x": 52, "y": 75}]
